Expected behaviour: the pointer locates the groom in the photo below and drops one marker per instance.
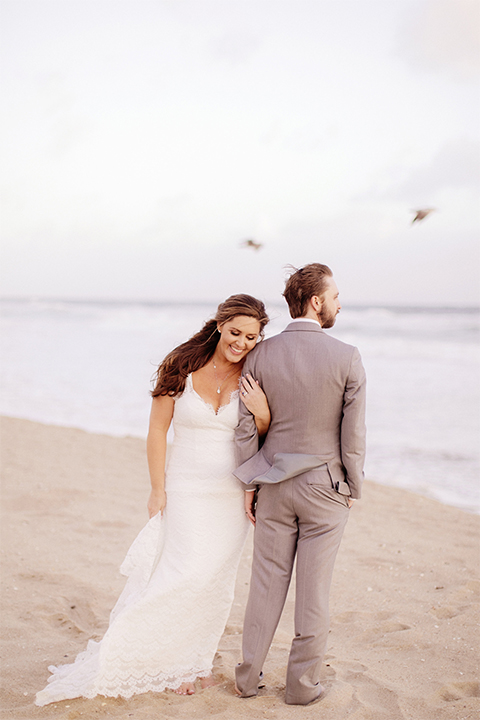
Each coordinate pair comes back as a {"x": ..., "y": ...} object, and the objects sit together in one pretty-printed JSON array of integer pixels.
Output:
[{"x": 308, "y": 472}]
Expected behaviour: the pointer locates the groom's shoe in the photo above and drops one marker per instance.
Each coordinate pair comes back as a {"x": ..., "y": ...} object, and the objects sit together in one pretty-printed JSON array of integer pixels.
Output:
[
  {"x": 260, "y": 685},
  {"x": 239, "y": 693},
  {"x": 313, "y": 701}
]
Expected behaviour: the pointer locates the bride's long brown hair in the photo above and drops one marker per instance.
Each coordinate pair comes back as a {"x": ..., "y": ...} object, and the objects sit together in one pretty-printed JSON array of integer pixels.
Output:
[{"x": 192, "y": 355}]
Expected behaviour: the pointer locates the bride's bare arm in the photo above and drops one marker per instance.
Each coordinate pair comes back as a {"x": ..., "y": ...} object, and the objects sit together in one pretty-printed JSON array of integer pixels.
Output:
[
  {"x": 256, "y": 402},
  {"x": 160, "y": 418}
]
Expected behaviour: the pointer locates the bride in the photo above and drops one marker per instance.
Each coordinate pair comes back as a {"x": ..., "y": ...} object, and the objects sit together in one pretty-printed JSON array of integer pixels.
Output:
[{"x": 166, "y": 625}]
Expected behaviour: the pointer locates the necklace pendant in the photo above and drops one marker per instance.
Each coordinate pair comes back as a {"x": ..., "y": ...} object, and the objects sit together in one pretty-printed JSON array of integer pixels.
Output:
[{"x": 218, "y": 391}]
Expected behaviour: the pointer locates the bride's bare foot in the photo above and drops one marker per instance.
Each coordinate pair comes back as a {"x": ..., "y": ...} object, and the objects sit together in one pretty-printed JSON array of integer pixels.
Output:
[
  {"x": 207, "y": 682},
  {"x": 185, "y": 689}
]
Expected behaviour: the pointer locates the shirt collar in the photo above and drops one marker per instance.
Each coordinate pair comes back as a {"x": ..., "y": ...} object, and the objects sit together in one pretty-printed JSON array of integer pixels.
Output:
[{"x": 304, "y": 319}]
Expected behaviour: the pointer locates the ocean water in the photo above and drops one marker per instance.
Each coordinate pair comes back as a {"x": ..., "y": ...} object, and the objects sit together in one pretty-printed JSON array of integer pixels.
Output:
[{"x": 89, "y": 365}]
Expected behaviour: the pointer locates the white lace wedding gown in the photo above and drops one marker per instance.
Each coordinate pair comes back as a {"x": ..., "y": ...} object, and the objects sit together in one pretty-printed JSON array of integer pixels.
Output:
[{"x": 166, "y": 626}]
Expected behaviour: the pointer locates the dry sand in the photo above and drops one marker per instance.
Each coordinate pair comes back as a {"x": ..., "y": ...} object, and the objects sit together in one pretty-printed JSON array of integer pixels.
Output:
[{"x": 404, "y": 602}]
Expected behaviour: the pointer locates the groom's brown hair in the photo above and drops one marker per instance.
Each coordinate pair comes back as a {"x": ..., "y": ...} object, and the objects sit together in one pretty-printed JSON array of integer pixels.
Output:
[{"x": 303, "y": 284}]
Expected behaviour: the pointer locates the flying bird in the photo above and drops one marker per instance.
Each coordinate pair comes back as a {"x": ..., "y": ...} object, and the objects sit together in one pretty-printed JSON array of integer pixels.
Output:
[
  {"x": 251, "y": 244},
  {"x": 421, "y": 214}
]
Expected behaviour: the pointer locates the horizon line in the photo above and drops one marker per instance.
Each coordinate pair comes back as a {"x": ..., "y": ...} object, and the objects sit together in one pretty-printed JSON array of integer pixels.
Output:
[{"x": 209, "y": 302}]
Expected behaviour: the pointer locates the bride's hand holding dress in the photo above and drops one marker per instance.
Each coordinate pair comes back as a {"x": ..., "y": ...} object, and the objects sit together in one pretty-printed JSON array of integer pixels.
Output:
[{"x": 156, "y": 502}]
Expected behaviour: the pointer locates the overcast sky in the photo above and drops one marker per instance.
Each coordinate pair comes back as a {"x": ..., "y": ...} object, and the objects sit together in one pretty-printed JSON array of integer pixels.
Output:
[{"x": 142, "y": 140}]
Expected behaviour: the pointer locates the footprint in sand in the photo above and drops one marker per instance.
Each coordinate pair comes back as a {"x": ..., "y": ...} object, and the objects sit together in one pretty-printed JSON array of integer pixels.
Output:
[
  {"x": 376, "y": 700},
  {"x": 356, "y": 691},
  {"x": 360, "y": 618},
  {"x": 460, "y": 601},
  {"x": 444, "y": 613},
  {"x": 378, "y": 633},
  {"x": 203, "y": 703},
  {"x": 375, "y": 626},
  {"x": 459, "y": 690},
  {"x": 75, "y": 615}
]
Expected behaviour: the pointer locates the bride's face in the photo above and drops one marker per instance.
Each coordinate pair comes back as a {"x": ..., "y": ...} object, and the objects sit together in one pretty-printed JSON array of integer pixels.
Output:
[{"x": 237, "y": 337}]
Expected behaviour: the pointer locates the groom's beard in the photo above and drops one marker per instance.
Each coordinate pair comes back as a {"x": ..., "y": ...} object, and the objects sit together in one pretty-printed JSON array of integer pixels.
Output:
[{"x": 326, "y": 317}]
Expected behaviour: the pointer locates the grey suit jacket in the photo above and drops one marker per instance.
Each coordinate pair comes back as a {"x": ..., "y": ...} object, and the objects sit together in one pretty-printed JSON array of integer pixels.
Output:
[{"x": 315, "y": 386}]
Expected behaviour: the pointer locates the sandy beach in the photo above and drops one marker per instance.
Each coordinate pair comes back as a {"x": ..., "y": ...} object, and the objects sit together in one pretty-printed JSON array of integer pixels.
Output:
[{"x": 404, "y": 637}]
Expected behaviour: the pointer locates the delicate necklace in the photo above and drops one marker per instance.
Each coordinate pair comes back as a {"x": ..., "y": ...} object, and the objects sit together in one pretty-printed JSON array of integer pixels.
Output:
[{"x": 219, "y": 387}]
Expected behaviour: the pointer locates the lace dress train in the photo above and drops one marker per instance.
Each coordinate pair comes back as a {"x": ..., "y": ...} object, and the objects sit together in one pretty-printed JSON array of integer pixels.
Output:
[{"x": 167, "y": 623}]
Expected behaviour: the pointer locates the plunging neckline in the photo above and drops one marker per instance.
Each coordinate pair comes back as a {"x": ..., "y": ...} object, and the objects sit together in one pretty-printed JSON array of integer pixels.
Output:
[{"x": 233, "y": 396}]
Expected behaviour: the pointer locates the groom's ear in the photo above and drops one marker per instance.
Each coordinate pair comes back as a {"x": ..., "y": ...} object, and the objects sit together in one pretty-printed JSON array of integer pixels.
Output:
[{"x": 316, "y": 303}]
